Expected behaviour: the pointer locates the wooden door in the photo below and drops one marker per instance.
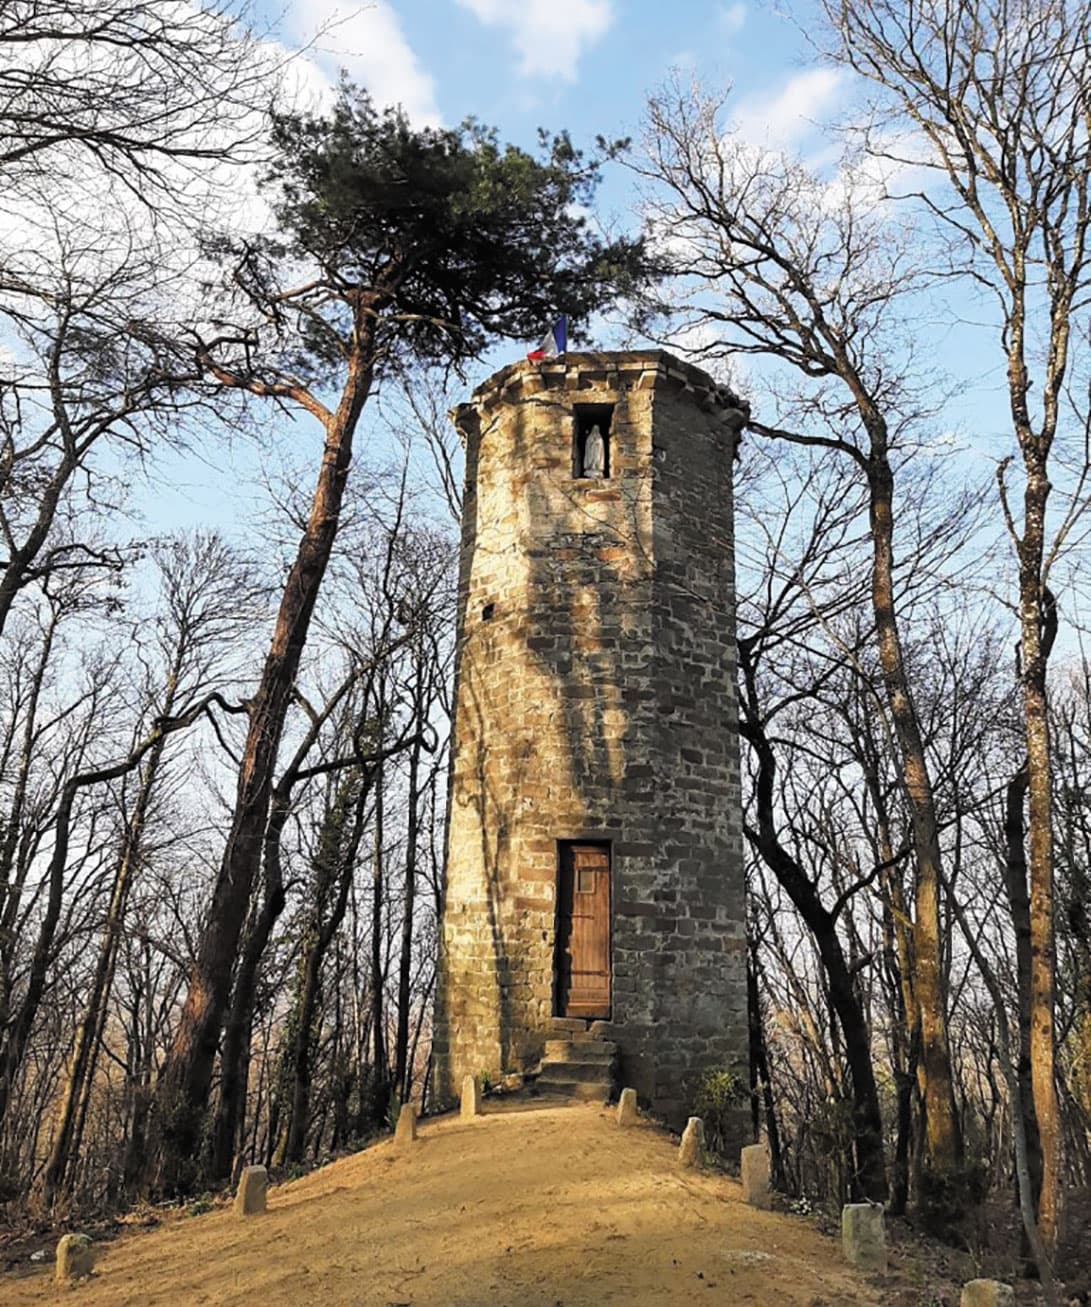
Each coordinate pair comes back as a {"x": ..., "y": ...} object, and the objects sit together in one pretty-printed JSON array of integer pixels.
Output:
[{"x": 583, "y": 931}]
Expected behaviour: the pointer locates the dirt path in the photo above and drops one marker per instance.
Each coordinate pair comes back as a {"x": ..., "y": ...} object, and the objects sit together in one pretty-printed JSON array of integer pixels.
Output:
[{"x": 550, "y": 1207}]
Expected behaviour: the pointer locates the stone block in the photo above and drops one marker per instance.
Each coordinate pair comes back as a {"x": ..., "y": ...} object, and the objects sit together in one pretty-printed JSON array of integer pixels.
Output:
[
  {"x": 754, "y": 1173},
  {"x": 252, "y": 1191},
  {"x": 406, "y": 1130},
  {"x": 471, "y": 1098},
  {"x": 987, "y": 1293},
  {"x": 863, "y": 1236},
  {"x": 626, "y": 1108},
  {"x": 691, "y": 1151},
  {"x": 75, "y": 1257}
]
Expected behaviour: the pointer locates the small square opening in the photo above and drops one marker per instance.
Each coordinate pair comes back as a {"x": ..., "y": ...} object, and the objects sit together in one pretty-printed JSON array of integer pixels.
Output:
[{"x": 591, "y": 443}]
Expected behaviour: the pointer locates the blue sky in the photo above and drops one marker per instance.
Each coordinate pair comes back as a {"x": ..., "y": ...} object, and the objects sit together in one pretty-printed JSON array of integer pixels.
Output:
[
  {"x": 584, "y": 65},
  {"x": 588, "y": 66}
]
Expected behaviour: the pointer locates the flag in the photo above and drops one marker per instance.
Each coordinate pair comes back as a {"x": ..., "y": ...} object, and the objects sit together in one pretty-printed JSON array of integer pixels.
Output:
[{"x": 553, "y": 343}]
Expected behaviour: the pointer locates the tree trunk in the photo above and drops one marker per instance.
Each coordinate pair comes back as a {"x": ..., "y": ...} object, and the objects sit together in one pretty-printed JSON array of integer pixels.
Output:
[
  {"x": 234, "y": 1058},
  {"x": 403, "y": 1070},
  {"x": 944, "y": 1143},
  {"x": 173, "y": 1163},
  {"x": 869, "y": 1180},
  {"x": 1037, "y": 614},
  {"x": 10, "y": 883},
  {"x": 761, "y": 1084},
  {"x": 18, "y": 1035},
  {"x": 235, "y": 1054},
  {"x": 84, "y": 1058},
  {"x": 337, "y": 873},
  {"x": 378, "y": 1053},
  {"x": 1019, "y": 903}
]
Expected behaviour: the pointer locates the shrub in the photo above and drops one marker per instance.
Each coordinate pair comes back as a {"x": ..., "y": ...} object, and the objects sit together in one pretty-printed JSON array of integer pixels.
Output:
[{"x": 720, "y": 1095}]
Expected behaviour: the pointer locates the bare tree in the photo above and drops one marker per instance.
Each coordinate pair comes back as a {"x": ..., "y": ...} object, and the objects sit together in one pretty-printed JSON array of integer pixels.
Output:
[
  {"x": 789, "y": 270},
  {"x": 999, "y": 95},
  {"x": 208, "y": 599},
  {"x": 85, "y": 378},
  {"x": 133, "y": 90}
]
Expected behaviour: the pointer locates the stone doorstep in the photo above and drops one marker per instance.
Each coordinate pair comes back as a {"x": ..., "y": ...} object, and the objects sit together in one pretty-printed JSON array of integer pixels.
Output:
[
  {"x": 585, "y": 1091},
  {"x": 568, "y": 1070},
  {"x": 589, "y": 1050}
]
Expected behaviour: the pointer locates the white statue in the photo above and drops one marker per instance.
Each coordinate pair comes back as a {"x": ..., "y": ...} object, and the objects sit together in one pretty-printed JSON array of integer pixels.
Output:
[{"x": 594, "y": 454}]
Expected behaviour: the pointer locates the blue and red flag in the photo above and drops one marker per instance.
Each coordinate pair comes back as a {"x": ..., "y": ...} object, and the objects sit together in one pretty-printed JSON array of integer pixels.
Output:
[{"x": 554, "y": 342}]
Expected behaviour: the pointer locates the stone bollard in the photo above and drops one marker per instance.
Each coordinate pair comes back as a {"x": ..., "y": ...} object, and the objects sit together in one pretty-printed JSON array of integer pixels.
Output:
[
  {"x": 75, "y": 1257},
  {"x": 754, "y": 1173},
  {"x": 251, "y": 1193},
  {"x": 691, "y": 1151},
  {"x": 626, "y": 1108},
  {"x": 987, "y": 1293},
  {"x": 471, "y": 1098},
  {"x": 406, "y": 1129},
  {"x": 863, "y": 1236}
]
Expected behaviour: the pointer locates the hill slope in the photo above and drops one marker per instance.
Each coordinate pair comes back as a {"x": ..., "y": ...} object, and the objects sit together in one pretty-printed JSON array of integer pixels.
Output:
[{"x": 544, "y": 1207}]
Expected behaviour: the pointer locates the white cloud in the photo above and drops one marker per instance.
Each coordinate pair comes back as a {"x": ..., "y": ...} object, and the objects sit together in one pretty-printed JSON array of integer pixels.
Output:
[
  {"x": 732, "y": 18},
  {"x": 791, "y": 114},
  {"x": 368, "y": 42},
  {"x": 549, "y": 36}
]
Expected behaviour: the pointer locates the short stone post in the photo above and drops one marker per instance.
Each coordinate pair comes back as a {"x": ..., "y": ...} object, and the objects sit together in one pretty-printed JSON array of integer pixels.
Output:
[
  {"x": 406, "y": 1130},
  {"x": 987, "y": 1293},
  {"x": 471, "y": 1098},
  {"x": 626, "y": 1108},
  {"x": 252, "y": 1191},
  {"x": 863, "y": 1236},
  {"x": 75, "y": 1257},
  {"x": 754, "y": 1173},
  {"x": 691, "y": 1151}
]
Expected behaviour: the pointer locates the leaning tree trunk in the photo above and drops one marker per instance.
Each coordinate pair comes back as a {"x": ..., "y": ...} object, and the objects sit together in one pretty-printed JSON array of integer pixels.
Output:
[
  {"x": 234, "y": 1058},
  {"x": 182, "y": 1093},
  {"x": 235, "y": 1054}
]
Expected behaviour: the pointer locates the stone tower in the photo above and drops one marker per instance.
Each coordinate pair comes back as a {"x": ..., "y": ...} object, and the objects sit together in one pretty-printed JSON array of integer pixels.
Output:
[{"x": 594, "y": 859}]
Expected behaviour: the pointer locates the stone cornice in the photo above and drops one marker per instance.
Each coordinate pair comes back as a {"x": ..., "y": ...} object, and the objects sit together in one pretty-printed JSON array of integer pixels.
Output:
[{"x": 642, "y": 369}]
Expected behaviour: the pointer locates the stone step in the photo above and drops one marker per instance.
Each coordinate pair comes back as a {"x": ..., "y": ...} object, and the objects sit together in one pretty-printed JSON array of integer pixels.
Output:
[
  {"x": 568, "y": 1070},
  {"x": 574, "y": 1024},
  {"x": 583, "y": 1050},
  {"x": 586, "y": 1091}
]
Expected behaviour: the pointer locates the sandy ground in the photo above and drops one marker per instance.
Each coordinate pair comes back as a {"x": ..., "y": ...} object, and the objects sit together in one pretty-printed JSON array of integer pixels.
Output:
[{"x": 542, "y": 1207}]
